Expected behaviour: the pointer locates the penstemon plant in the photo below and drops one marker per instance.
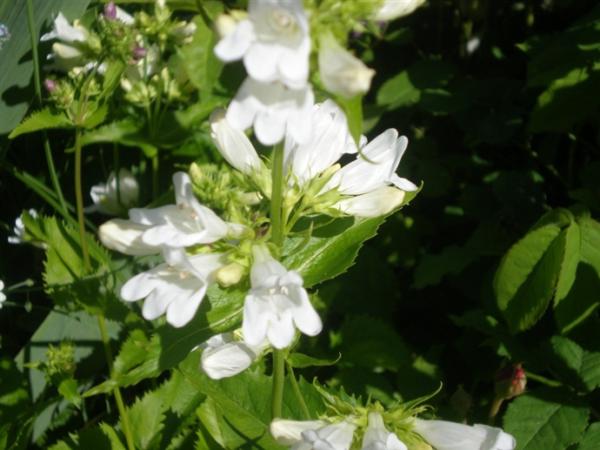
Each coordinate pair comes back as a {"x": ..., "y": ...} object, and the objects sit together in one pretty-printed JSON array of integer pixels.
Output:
[{"x": 242, "y": 175}]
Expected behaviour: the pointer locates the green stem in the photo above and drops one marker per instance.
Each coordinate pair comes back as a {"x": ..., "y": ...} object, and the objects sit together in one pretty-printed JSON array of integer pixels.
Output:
[
  {"x": 278, "y": 379},
  {"x": 117, "y": 171},
  {"x": 155, "y": 168},
  {"x": 116, "y": 392},
  {"x": 298, "y": 392},
  {"x": 38, "y": 93},
  {"x": 277, "y": 226},
  {"x": 79, "y": 203}
]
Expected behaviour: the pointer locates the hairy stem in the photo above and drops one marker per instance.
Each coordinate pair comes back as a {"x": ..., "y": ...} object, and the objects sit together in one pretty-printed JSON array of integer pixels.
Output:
[
  {"x": 38, "y": 93},
  {"x": 116, "y": 392},
  {"x": 277, "y": 225},
  {"x": 278, "y": 379},
  {"x": 297, "y": 392},
  {"x": 79, "y": 203}
]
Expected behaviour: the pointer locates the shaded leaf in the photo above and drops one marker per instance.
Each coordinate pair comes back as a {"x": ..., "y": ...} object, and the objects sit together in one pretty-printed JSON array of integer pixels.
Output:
[{"x": 42, "y": 120}]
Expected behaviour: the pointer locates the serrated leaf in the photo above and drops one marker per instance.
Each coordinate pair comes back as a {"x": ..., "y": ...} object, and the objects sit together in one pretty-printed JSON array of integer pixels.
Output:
[
  {"x": 591, "y": 438},
  {"x": 43, "y": 119},
  {"x": 580, "y": 367},
  {"x": 526, "y": 279},
  {"x": 126, "y": 132},
  {"x": 146, "y": 416},
  {"x": 330, "y": 251},
  {"x": 239, "y": 408},
  {"x": 570, "y": 260},
  {"x": 545, "y": 419}
]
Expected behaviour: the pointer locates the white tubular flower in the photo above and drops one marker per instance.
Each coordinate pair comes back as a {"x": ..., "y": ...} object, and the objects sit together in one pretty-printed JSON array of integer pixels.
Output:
[
  {"x": 226, "y": 24},
  {"x": 376, "y": 169},
  {"x": 445, "y": 435},
  {"x": 125, "y": 236},
  {"x": 273, "y": 109},
  {"x": 110, "y": 200},
  {"x": 67, "y": 53},
  {"x": 342, "y": 73},
  {"x": 2, "y": 294},
  {"x": 377, "y": 437},
  {"x": 330, "y": 437},
  {"x": 330, "y": 139},
  {"x": 393, "y": 9},
  {"x": 223, "y": 356},
  {"x": 276, "y": 304},
  {"x": 376, "y": 203},
  {"x": 273, "y": 42},
  {"x": 184, "y": 224},
  {"x": 176, "y": 287},
  {"x": 233, "y": 144},
  {"x": 289, "y": 432}
]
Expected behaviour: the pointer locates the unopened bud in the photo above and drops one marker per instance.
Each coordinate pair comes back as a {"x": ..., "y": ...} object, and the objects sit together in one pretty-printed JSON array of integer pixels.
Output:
[
  {"x": 50, "y": 85},
  {"x": 230, "y": 274},
  {"x": 510, "y": 381},
  {"x": 139, "y": 52},
  {"x": 110, "y": 11}
]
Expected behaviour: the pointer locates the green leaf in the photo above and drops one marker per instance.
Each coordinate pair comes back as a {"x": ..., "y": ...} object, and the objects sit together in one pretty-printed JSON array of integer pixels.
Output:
[
  {"x": 15, "y": 57},
  {"x": 330, "y": 251},
  {"x": 238, "y": 410},
  {"x": 199, "y": 60},
  {"x": 570, "y": 260},
  {"x": 528, "y": 274},
  {"x": 127, "y": 132},
  {"x": 546, "y": 419},
  {"x": 591, "y": 438},
  {"x": 301, "y": 361},
  {"x": 42, "y": 120},
  {"x": 580, "y": 367},
  {"x": 146, "y": 416}
]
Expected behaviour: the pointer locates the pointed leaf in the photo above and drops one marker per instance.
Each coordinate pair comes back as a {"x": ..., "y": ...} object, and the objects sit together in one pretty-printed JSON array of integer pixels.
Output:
[{"x": 41, "y": 120}]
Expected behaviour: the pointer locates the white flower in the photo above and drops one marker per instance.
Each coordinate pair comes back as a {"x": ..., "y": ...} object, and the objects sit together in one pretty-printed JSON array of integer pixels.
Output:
[
  {"x": 377, "y": 437},
  {"x": 110, "y": 200},
  {"x": 341, "y": 72},
  {"x": 374, "y": 167},
  {"x": 68, "y": 53},
  {"x": 183, "y": 224},
  {"x": 376, "y": 203},
  {"x": 443, "y": 435},
  {"x": 330, "y": 139},
  {"x": 273, "y": 109},
  {"x": 330, "y": 437},
  {"x": 2, "y": 294},
  {"x": 223, "y": 356},
  {"x": 18, "y": 236},
  {"x": 273, "y": 42},
  {"x": 276, "y": 304},
  {"x": 392, "y": 9},
  {"x": 176, "y": 287},
  {"x": 125, "y": 236},
  {"x": 226, "y": 24},
  {"x": 233, "y": 144}
]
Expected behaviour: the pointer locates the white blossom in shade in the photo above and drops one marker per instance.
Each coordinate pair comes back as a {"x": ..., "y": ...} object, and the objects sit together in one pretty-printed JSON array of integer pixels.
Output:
[
  {"x": 377, "y": 437},
  {"x": 2, "y": 294},
  {"x": 224, "y": 356},
  {"x": 337, "y": 436},
  {"x": 233, "y": 144},
  {"x": 273, "y": 42},
  {"x": 393, "y": 9},
  {"x": 273, "y": 109},
  {"x": 116, "y": 195},
  {"x": 176, "y": 287},
  {"x": 443, "y": 435},
  {"x": 67, "y": 53},
  {"x": 184, "y": 224},
  {"x": 125, "y": 236},
  {"x": 378, "y": 202},
  {"x": 375, "y": 167},
  {"x": 18, "y": 236},
  {"x": 276, "y": 304},
  {"x": 330, "y": 139},
  {"x": 289, "y": 432},
  {"x": 341, "y": 72}
]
